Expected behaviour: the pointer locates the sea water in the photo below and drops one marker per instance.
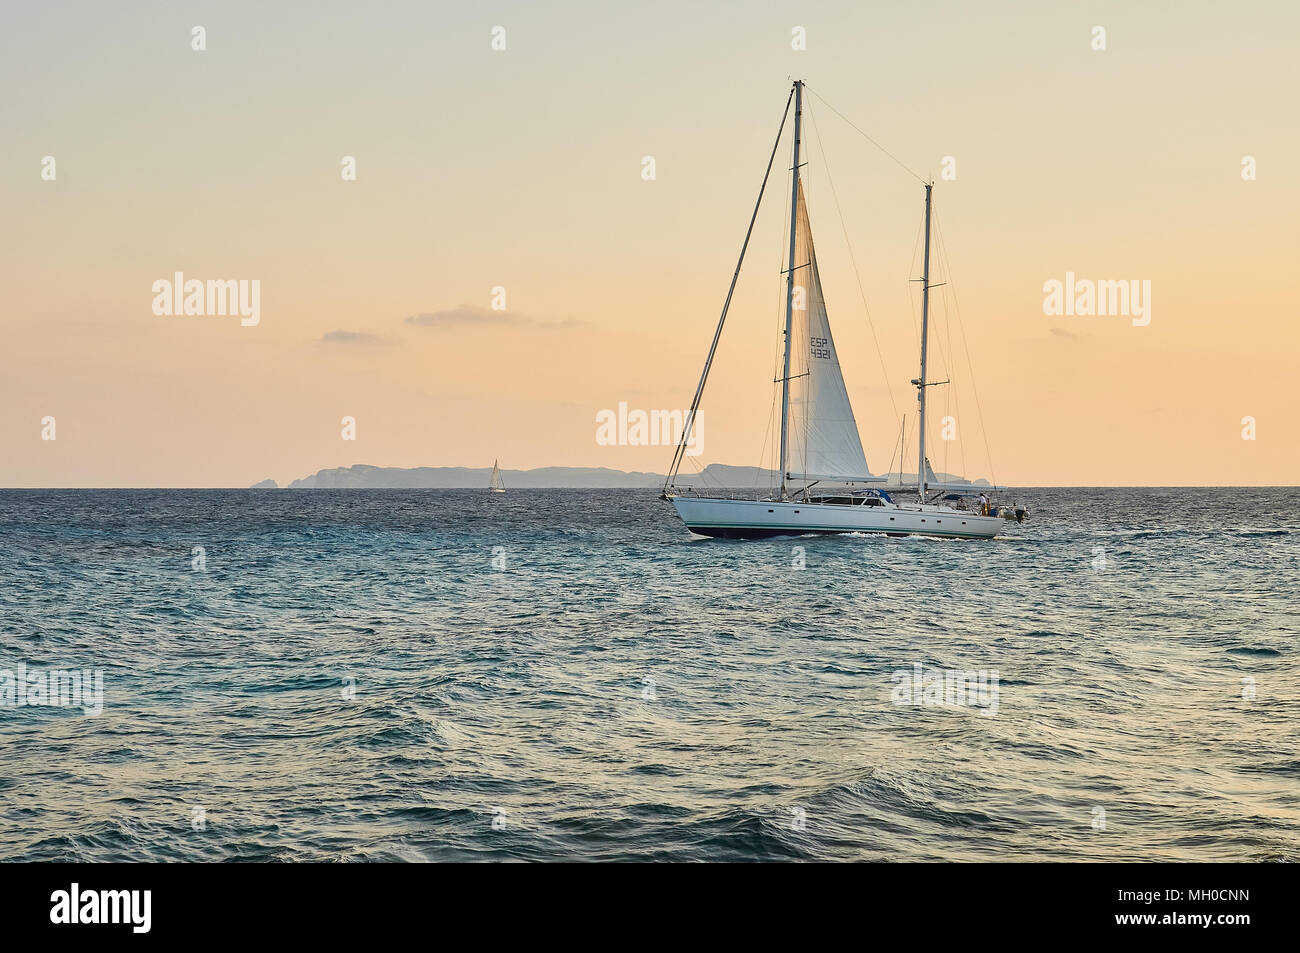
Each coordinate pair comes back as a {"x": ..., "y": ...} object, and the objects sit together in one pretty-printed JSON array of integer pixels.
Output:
[{"x": 568, "y": 674}]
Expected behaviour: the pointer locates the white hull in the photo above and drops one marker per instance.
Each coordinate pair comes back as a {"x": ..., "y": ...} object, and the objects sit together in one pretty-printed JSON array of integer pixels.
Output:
[{"x": 746, "y": 519}]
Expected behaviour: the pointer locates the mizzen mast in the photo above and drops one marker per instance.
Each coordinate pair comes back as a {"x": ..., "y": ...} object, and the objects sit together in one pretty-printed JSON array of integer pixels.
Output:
[{"x": 920, "y": 382}]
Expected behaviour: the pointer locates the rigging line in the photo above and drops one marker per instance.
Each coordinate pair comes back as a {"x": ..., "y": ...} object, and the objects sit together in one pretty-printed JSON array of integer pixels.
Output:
[
  {"x": 911, "y": 270},
  {"x": 953, "y": 310},
  {"x": 902, "y": 448},
  {"x": 916, "y": 325},
  {"x": 953, "y": 391},
  {"x": 776, "y": 373},
  {"x": 897, "y": 447},
  {"x": 769, "y": 432},
  {"x": 777, "y": 362},
  {"x": 762, "y": 453},
  {"x": 938, "y": 363},
  {"x": 704, "y": 376},
  {"x": 821, "y": 147},
  {"x": 961, "y": 327},
  {"x": 947, "y": 412},
  {"x": 950, "y": 393},
  {"x": 939, "y": 326},
  {"x": 900, "y": 162}
]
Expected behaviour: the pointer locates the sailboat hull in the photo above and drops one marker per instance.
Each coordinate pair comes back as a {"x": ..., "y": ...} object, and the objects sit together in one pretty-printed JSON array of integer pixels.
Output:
[{"x": 758, "y": 519}]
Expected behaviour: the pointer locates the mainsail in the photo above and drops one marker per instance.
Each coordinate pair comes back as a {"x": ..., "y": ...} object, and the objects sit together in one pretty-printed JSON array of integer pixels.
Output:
[
  {"x": 495, "y": 483},
  {"x": 824, "y": 443}
]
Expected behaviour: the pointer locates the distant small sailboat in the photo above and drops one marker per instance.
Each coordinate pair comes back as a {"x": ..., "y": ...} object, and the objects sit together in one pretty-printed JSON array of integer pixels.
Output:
[
  {"x": 819, "y": 441},
  {"x": 495, "y": 485}
]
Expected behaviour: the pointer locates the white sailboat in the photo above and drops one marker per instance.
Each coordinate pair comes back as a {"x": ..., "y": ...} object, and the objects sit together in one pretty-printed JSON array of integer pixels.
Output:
[
  {"x": 825, "y": 485},
  {"x": 495, "y": 484}
]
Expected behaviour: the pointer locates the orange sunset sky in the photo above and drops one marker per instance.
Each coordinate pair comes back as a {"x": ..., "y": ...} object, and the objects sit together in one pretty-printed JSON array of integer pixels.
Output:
[{"x": 522, "y": 168}]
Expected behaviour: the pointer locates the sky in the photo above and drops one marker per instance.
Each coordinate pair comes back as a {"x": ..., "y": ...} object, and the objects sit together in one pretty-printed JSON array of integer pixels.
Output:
[{"x": 524, "y": 169}]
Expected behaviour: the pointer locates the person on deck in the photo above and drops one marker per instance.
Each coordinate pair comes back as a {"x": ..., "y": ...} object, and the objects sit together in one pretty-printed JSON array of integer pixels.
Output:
[{"x": 984, "y": 505}]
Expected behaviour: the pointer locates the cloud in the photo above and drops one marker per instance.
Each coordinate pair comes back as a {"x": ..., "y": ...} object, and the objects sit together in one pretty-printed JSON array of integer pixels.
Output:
[
  {"x": 1062, "y": 332},
  {"x": 468, "y": 315},
  {"x": 353, "y": 337}
]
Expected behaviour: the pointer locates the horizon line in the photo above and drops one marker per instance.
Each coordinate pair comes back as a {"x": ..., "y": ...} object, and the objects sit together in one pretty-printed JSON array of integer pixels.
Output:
[{"x": 1009, "y": 486}]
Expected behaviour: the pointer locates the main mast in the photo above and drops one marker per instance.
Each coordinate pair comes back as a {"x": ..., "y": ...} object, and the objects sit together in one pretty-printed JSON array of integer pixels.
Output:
[
  {"x": 925, "y": 327},
  {"x": 789, "y": 287}
]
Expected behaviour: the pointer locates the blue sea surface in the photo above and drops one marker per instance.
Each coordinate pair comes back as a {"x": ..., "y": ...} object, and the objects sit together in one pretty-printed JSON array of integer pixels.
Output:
[{"x": 568, "y": 674}]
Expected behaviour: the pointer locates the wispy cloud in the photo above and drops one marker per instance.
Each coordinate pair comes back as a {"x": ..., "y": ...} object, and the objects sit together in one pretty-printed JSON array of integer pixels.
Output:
[
  {"x": 353, "y": 337},
  {"x": 468, "y": 315}
]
